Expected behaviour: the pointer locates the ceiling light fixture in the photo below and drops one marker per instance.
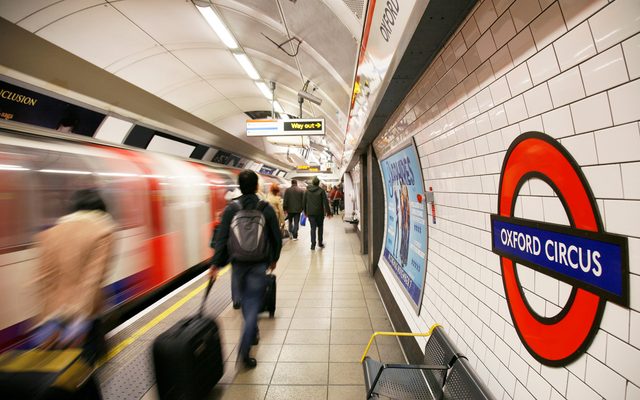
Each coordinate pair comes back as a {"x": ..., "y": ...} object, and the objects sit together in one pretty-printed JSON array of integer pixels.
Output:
[
  {"x": 264, "y": 89},
  {"x": 218, "y": 26},
  {"x": 244, "y": 61}
]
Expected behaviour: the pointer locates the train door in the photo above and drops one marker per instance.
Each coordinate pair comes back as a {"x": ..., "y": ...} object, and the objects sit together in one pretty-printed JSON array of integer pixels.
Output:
[{"x": 186, "y": 205}]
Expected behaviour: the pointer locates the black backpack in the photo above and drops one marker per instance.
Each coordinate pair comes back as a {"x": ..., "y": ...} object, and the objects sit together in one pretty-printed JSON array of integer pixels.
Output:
[{"x": 247, "y": 234}]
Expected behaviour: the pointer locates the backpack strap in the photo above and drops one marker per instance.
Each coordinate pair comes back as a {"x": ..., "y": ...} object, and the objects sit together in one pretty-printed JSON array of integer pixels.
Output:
[
  {"x": 237, "y": 204},
  {"x": 261, "y": 205}
]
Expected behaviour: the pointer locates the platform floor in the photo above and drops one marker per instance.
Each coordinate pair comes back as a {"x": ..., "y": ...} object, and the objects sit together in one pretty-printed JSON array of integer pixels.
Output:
[{"x": 327, "y": 308}]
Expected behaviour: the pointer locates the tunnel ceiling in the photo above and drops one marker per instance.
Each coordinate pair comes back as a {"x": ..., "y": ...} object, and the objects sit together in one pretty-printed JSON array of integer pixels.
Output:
[{"x": 166, "y": 48}]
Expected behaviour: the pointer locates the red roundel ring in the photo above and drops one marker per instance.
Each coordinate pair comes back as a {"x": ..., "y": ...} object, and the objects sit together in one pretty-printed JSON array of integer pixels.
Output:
[{"x": 557, "y": 340}]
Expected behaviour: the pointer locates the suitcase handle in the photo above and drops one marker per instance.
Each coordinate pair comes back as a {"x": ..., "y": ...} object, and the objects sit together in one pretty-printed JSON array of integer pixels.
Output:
[{"x": 206, "y": 294}]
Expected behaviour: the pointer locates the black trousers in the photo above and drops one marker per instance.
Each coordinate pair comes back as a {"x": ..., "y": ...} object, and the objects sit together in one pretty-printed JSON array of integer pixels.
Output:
[
  {"x": 316, "y": 221},
  {"x": 294, "y": 223}
]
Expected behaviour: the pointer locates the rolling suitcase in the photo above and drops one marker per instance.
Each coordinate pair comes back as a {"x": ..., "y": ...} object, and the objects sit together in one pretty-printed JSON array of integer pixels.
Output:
[
  {"x": 188, "y": 357},
  {"x": 270, "y": 296}
]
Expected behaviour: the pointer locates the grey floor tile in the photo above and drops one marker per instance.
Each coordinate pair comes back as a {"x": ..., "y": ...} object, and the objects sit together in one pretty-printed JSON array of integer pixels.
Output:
[
  {"x": 322, "y": 303},
  {"x": 311, "y": 323},
  {"x": 350, "y": 323},
  {"x": 344, "y": 303},
  {"x": 381, "y": 324},
  {"x": 230, "y": 336},
  {"x": 260, "y": 375},
  {"x": 301, "y": 374},
  {"x": 286, "y": 303},
  {"x": 275, "y": 336},
  {"x": 350, "y": 312},
  {"x": 284, "y": 312},
  {"x": 287, "y": 295},
  {"x": 312, "y": 312},
  {"x": 345, "y": 374},
  {"x": 297, "y": 336},
  {"x": 391, "y": 353},
  {"x": 349, "y": 392},
  {"x": 348, "y": 295},
  {"x": 350, "y": 352},
  {"x": 347, "y": 288},
  {"x": 278, "y": 392},
  {"x": 351, "y": 336},
  {"x": 276, "y": 323},
  {"x": 262, "y": 353},
  {"x": 238, "y": 392},
  {"x": 304, "y": 353}
]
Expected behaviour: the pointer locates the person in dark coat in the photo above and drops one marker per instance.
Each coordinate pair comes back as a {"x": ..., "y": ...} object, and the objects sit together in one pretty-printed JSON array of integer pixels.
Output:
[
  {"x": 251, "y": 276},
  {"x": 293, "y": 197},
  {"x": 316, "y": 206}
]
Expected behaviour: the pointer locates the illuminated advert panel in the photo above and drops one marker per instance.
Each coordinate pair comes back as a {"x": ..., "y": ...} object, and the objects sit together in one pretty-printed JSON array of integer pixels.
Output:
[{"x": 405, "y": 242}]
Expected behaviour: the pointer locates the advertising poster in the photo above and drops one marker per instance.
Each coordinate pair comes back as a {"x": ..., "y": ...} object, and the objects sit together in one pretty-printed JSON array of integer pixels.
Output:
[{"x": 405, "y": 245}]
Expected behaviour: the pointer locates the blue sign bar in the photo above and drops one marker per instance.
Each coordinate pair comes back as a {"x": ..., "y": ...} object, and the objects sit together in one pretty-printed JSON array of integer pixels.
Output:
[{"x": 590, "y": 260}]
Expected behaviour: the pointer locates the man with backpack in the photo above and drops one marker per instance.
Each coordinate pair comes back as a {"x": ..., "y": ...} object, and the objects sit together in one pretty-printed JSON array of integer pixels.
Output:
[{"x": 248, "y": 237}]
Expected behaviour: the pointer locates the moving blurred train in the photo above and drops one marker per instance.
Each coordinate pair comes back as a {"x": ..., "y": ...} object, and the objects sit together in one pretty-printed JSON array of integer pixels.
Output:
[{"x": 165, "y": 209}]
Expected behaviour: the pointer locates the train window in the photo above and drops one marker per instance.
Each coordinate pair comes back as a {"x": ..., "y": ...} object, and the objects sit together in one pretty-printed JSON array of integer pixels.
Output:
[
  {"x": 59, "y": 176},
  {"x": 125, "y": 198},
  {"x": 16, "y": 199}
]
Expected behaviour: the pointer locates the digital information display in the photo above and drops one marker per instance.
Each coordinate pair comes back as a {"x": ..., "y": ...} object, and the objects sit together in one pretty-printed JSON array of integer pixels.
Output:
[{"x": 405, "y": 244}]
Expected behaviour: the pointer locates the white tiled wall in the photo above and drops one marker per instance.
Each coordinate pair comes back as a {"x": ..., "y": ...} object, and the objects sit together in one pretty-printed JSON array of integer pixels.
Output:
[{"x": 570, "y": 69}]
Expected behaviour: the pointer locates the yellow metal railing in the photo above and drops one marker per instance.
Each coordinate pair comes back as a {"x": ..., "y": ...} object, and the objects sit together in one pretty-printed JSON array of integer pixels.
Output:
[{"x": 395, "y": 334}]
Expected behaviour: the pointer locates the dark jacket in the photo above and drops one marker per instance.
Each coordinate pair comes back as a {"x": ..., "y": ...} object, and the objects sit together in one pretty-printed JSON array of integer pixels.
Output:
[
  {"x": 293, "y": 200},
  {"x": 221, "y": 235},
  {"x": 315, "y": 202}
]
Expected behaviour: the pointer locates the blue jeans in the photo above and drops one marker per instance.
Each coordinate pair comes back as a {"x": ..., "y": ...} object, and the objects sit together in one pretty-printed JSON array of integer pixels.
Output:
[
  {"x": 294, "y": 224},
  {"x": 252, "y": 283},
  {"x": 316, "y": 222},
  {"x": 236, "y": 298}
]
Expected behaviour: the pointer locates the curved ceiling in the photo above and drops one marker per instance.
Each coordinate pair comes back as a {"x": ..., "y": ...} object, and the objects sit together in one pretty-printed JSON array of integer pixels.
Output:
[{"x": 166, "y": 48}]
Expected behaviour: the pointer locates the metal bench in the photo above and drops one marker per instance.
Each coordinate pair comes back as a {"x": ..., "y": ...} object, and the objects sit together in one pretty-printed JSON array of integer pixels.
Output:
[{"x": 430, "y": 380}]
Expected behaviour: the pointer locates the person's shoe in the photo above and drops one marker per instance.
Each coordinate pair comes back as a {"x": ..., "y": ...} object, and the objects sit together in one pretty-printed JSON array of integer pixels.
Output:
[
  {"x": 236, "y": 305},
  {"x": 249, "y": 362},
  {"x": 321, "y": 245},
  {"x": 256, "y": 340},
  {"x": 295, "y": 238},
  {"x": 313, "y": 247}
]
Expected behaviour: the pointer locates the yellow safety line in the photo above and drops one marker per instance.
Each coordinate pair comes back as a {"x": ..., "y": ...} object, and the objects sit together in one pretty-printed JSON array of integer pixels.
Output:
[
  {"x": 394, "y": 334},
  {"x": 136, "y": 335}
]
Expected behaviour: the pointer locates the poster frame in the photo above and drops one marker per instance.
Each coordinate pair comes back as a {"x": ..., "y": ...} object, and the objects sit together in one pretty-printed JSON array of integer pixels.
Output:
[{"x": 403, "y": 146}]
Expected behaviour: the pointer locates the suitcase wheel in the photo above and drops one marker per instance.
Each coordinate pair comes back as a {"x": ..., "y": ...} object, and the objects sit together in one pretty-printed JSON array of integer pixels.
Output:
[{"x": 272, "y": 314}]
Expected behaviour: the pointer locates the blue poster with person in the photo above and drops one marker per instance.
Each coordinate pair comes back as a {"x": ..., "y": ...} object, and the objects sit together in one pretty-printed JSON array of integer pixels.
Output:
[{"x": 405, "y": 245}]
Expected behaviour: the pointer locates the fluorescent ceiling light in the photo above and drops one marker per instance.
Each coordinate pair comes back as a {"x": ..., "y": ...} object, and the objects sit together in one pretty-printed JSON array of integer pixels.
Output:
[
  {"x": 246, "y": 64},
  {"x": 218, "y": 26},
  {"x": 6, "y": 167},
  {"x": 266, "y": 92},
  {"x": 65, "y": 171},
  {"x": 277, "y": 107}
]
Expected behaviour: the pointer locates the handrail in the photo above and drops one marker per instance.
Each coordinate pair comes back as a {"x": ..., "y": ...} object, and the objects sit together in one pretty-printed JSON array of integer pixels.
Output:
[{"x": 411, "y": 334}]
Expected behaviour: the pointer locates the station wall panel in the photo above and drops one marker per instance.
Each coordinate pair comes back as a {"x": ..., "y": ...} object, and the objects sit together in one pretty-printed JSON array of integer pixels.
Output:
[{"x": 566, "y": 68}]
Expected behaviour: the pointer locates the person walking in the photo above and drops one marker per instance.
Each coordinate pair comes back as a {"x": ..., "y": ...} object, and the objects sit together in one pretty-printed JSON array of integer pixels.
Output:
[
  {"x": 251, "y": 252},
  {"x": 335, "y": 196},
  {"x": 293, "y": 197},
  {"x": 274, "y": 199},
  {"x": 316, "y": 206},
  {"x": 74, "y": 263}
]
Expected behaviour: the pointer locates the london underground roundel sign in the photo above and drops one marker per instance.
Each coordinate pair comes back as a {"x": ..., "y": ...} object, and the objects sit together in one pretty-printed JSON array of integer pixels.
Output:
[{"x": 582, "y": 255}]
